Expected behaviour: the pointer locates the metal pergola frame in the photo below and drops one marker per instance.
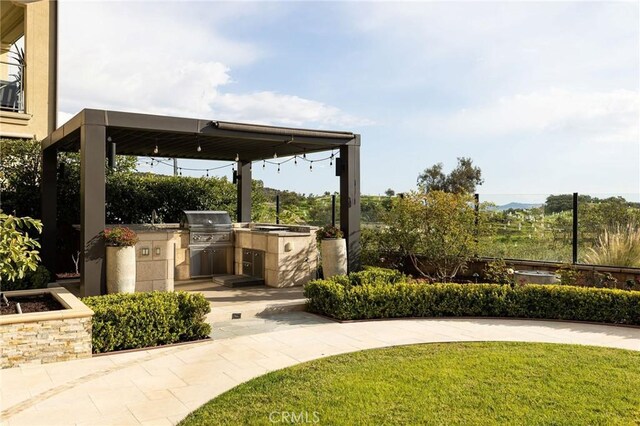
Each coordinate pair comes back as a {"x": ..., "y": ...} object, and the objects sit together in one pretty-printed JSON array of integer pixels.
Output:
[{"x": 99, "y": 134}]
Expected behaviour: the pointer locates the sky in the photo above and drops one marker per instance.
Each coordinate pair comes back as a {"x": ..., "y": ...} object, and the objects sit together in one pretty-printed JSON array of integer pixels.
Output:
[{"x": 543, "y": 96}]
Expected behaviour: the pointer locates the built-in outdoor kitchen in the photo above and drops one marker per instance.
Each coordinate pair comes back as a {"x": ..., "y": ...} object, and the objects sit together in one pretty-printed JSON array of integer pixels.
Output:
[{"x": 206, "y": 244}]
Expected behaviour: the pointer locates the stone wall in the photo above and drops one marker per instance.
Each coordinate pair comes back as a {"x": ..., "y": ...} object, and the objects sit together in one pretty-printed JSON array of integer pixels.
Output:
[
  {"x": 43, "y": 337},
  {"x": 41, "y": 342}
]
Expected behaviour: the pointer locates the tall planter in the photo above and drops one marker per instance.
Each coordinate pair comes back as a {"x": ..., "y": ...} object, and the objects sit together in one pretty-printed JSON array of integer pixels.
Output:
[
  {"x": 121, "y": 269},
  {"x": 334, "y": 256}
]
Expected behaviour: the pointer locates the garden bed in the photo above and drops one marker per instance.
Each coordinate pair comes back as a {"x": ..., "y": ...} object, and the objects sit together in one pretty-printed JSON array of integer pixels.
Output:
[
  {"x": 46, "y": 335},
  {"x": 28, "y": 304}
]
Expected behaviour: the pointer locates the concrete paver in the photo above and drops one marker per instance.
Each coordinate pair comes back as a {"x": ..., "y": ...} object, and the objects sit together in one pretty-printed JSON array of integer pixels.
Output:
[{"x": 161, "y": 386}]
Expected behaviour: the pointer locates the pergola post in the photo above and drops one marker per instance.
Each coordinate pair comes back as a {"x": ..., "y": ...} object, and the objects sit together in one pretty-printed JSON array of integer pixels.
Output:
[
  {"x": 49, "y": 207},
  {"x": 350, "y": 200},
  {"x": 244, "y": 191},
  {"x": 92, "y": 208}
]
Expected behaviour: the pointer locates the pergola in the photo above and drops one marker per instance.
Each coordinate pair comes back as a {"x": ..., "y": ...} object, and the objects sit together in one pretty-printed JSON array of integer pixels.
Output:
[{"x": 98, "y": 135}]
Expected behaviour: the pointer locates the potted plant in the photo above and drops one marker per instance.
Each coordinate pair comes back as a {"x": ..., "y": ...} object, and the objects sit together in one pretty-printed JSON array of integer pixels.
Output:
[
  {"x": 333, "y": 249},
  {"x": 121, "y": 259}
]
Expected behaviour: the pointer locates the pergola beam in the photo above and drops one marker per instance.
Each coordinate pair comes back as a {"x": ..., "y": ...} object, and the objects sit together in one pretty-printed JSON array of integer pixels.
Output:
[
  {"x": 244, "y": 191},
  {"x": 350, "y": 201},
  {"x": 92, "y": 208}
]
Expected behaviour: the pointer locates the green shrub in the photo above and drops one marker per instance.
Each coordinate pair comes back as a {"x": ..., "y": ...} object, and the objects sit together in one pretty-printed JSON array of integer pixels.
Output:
[
  {"x": 407, "y": 299},
  {"x": 32, "y": 279},
  {"x": 140, "y": 320}
]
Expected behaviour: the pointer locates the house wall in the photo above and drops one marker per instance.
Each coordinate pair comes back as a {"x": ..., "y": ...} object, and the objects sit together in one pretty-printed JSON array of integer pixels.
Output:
[{"x": 40, "y": 31}]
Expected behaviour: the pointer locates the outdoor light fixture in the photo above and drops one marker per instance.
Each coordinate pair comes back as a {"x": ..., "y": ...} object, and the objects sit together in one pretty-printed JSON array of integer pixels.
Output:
[
  {"x": 155, "y": 150},
  {"x": 199, "y": 148},
  {"x": 109, "y": 139},
  {"x": 237, "y": 157},
  {"x": 275, "y": 154}
]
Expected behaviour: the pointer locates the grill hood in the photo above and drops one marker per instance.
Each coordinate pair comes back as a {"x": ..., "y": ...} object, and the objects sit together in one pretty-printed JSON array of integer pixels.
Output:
[{"x": 205, "y": 220}]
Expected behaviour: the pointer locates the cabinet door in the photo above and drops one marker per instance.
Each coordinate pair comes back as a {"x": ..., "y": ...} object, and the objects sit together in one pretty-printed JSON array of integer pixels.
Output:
[
  {"x": 258, "y": 264},
  {"x": 247, "y": 268},
  {"x": 218, "y": 261},
  {"x": 200, "y": 262}
]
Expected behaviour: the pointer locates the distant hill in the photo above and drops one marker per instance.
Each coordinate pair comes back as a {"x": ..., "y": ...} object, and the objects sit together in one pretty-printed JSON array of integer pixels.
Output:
[{"x": 515, "y": 206}]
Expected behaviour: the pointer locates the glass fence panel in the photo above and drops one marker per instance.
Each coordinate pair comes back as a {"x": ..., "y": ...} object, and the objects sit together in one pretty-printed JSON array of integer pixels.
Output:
[
  {"x": 609, "y": 229},
  {"x": 315, "y": 210},
  {"x": 525, "y": 226}
]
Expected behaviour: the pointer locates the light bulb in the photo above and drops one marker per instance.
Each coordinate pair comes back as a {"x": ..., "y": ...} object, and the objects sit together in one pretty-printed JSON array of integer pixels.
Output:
[
  {"x": 180, "y": 172},
  {"x": 199, "y": 148},
  {"x": 155, "y": 150},
  {"x": 295, "y": 160},
  {"x": 237, "y": 157},
  {"x": 207, "y": 172},
  {"x": 311, "y": 166},
  {"x": 278, "y": 168},
  {"x": 275, "y": 155},
  {"x": 264, "y": 164}
]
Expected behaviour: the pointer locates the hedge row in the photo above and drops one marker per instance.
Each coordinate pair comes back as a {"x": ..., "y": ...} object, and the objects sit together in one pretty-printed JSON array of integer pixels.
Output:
[
  {"x": 379, "y": 299},
  {"x": 140, "y": 320}
]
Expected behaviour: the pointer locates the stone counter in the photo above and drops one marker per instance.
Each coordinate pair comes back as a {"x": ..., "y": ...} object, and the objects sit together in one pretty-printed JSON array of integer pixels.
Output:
[
  {"x": 291, "y": 258},
  {"x": 161, "y": 256}
]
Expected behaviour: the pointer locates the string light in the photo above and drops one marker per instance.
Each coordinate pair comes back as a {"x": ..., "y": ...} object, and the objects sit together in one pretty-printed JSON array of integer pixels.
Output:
[
  {"x": 264, "y": 164},
  {"x": 295, "y": 160},
  {"x": 237, "y": 157},
  {"x": 311, "y": 166},
  {"x": 278, "y": 168},
  {"x": 199, "y": 148},
  {"x": 180, "y": 170},
  {"x": 155, "y": 150}
]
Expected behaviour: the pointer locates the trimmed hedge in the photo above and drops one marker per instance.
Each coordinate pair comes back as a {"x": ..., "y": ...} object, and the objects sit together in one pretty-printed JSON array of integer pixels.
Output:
[
  {"x": 380, "y": 299},
  {"x": 140, "y": 320}
]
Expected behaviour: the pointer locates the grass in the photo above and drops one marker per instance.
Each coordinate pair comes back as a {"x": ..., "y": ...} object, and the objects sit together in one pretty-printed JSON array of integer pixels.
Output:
[{"x": 453, "y": 383}]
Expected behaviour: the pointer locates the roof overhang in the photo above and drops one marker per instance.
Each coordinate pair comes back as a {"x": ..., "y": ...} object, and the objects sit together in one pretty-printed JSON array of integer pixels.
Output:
[{"x": 138, "y": 134}]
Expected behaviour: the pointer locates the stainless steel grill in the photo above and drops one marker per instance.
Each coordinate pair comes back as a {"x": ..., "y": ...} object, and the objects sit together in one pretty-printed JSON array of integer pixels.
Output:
[{"x": 210, "y": 242}]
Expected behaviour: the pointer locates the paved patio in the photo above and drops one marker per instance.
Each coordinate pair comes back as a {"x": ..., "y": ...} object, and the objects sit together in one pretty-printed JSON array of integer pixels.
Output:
[
  {"x": 247, "y": 301},
  {"x": 162, "y": 386}
]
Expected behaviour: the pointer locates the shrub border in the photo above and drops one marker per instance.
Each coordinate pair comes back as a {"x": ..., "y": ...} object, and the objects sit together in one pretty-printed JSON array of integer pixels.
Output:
[{"x": 347, "y": 299}]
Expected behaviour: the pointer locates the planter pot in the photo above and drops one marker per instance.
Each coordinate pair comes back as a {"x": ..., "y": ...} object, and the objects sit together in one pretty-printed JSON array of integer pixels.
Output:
[
  {"x": 121, "y": 269},
  {"x": 334, "y": 257}
]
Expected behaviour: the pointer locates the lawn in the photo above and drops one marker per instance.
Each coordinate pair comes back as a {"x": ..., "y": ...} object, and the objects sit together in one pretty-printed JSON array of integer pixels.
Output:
[{"x": 452, "y": 383}]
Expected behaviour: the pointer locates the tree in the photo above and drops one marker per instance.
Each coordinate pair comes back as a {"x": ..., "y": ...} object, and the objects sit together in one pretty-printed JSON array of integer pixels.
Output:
[
  {"x": 436, "y": 231},
  {"x": 463, "y": 179},
  {"x": 18, "y": 251},
  {"x": 389, "y": 192}
]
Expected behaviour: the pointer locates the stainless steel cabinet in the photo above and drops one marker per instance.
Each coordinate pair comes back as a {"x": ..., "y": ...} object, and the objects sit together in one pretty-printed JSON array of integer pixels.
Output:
[
  {"x": 208, "y": 261},
  {"x": 253, "y": 263}
]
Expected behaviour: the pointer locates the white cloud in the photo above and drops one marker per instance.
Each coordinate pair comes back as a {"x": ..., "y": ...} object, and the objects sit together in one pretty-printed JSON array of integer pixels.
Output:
[
  {"x": 147, "y": 59},
  {"x": 269, "y": 108},
  {"x": 610, "y": 117}
]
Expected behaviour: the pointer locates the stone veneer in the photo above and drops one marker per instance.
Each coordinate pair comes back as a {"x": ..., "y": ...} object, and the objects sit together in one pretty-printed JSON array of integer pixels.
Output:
[
  {"x": 43, "y": 337},
  {"x": 291, "y": 258}
]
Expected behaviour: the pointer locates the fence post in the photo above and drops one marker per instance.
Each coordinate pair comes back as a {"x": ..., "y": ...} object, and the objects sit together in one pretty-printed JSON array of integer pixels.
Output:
[
  {"x": 574, "y": 239},
  {"x": 333, "y": 210},
  {"x": 277, "y": 209},
  {"x": 476, "y": 220}
]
